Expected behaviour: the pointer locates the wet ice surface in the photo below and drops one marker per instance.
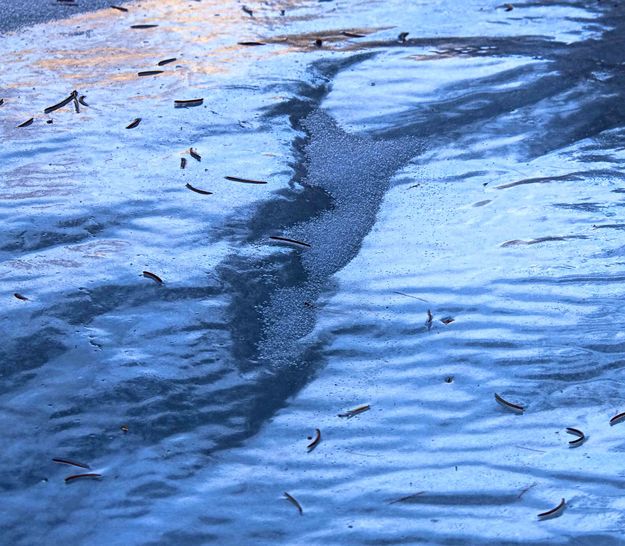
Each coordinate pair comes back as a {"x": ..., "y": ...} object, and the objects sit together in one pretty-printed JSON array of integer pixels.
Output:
[{"x": 473, "y": 171}]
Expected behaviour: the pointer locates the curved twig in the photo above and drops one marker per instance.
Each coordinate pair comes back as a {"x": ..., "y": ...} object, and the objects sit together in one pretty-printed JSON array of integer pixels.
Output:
[
  {"x": 516, "y": 408},
  {"x": 554, "y": 512},
  {"x": 294, "y": 502},
  {"x": 617, "y": 418},
  {"x": 315, "y": 442},
  {"x": 197, "y": 190},
  {"x": 71, "y": 463},
  {"x": 152, "y": 276},
  {"x": 82, "y": 476},
  {"x": 581, "y": 437}
]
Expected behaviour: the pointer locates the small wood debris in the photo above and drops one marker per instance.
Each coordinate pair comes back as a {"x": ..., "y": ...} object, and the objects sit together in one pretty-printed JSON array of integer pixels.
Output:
[
  {"x": 71, "y": 463},
  {"x": 618, "y": 418},
  {"x": 244, "y": 180},
  {"x": 509, "y": 405},
  {"x": 315, "y": 442},
  {"x": 188, "y": 103},
  {"x": 290, "y": 241},
  {"x": 82, "y": 476},
  {"x": 581, "y": 437},
  {"x": 356, "y": 411},
  {"x": 152, "y": 276},
  {"x": 294, "y": 502},
  {"x": 554, "y": 512},
  {"x": 197, "y": 190}
]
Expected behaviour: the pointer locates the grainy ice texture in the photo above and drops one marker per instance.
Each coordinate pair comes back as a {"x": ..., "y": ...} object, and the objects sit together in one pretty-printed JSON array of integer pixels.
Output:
[
  {"x": 471, "y": 173},
  {"x": 16, "y": 14}
]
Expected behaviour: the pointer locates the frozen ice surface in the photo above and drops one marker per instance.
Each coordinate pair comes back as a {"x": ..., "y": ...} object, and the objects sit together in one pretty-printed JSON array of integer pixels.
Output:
[{"x": 472, "y": 171}]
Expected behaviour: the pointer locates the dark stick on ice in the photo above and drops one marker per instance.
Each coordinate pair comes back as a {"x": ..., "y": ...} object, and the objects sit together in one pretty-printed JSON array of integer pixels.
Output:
[
  {"x": 554, "y": 512},
  {"x": 188, "y": 103},
  {"x": 143, "y": 26},
  {"x": 509, "y": 405},
  {"x": 166, "y": 61},
  {"x": 351, "y": 413},
  {"x": 292, "y": 241},
  {"x": 152, "y": 276},
  {"x": 251, "y": 43},
  {"x": 81, "y": 100},
  {"x": 20, "y": 297},
  {"x": 64, "y": 102},
  {"x": 402, "y": 37},
  {"x": 26, "y": 123},
  {"x": 195, "y": 155},
  {"x": 294, "y": 502},
  {"x": 183, "y": 162},
  {"x": 352, "y": 34},
  {"x": 244, "y": 180},
  {"x": 315, "y": 442},
  {"x": 149, "y": 73},
  {"x": 71, "y": 463},
  {"x": 134, "y": 123},
  {"x": 249, "y": 11},
  {"x": 581, "y": 438},
  {"x": 119, "y": 8},
  {"x": 429, "y": 320},
  {"x": 617, "y": 418},
  {"x": 82, "y": 476},
  {"x": 197, "y": 190}
]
